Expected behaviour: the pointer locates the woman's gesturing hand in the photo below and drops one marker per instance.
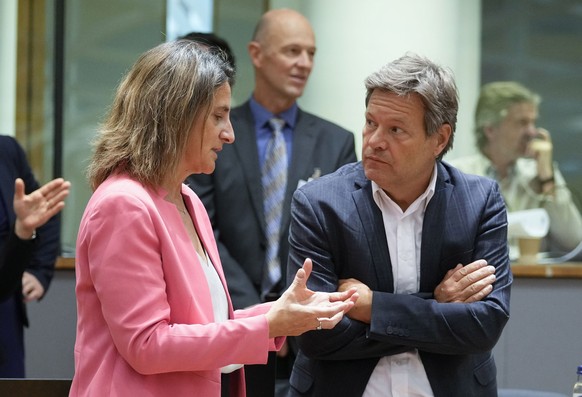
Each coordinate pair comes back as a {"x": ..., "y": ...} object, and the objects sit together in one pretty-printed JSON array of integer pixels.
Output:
[{"x": 300, "y": 310}]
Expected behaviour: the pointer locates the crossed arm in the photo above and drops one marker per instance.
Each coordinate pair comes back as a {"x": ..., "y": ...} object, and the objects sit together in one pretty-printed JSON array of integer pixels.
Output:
[{"x": 462, "y": 284}]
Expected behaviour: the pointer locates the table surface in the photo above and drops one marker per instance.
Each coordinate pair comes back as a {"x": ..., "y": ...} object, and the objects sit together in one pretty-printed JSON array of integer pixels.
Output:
[{"x": 555, "y": 270}]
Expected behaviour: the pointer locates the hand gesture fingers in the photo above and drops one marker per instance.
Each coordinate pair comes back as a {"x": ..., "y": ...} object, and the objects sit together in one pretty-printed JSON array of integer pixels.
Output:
[
  {"x": 326, "y": 304},
  {"x": 55, "y": 191},
  {"x": 300, "y": 310},
  {"x": 350, "y": 294},
  {"x": 300, "y": 280},
  {"x": 35, "y": 209},
  {"x": 329, "y": 323}
]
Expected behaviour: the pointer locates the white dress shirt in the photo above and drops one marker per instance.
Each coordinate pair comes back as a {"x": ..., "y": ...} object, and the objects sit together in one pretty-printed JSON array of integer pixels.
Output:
[{"x": 402, "y": 375}]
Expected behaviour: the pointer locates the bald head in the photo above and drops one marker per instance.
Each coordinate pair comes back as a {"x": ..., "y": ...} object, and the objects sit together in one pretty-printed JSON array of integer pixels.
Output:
[{"x": 274, "y": 21}]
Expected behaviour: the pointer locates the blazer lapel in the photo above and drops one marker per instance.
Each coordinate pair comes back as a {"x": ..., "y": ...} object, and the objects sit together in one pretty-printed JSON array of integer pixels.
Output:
[
  {"x": 206, "y": 236},
  {"x": 373, "y": 227},
  {"x": 433, "y": 231},
  {"x": 245, "y": 147},
  {"x": 7, "y": 180},
  {"x": 304, "y": 139},
  {"x": 10, "y": 169}
]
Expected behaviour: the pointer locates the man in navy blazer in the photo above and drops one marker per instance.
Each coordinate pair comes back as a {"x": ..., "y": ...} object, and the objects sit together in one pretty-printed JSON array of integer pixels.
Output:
[
  {"x": 425, "y": 245},
  {"x": 39, "y": 269},
  {"x": 282, "y": 52}
]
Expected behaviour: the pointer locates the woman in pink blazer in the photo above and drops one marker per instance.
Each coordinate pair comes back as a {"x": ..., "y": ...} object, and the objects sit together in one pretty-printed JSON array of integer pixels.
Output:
[{"x": 154, "y": 314}]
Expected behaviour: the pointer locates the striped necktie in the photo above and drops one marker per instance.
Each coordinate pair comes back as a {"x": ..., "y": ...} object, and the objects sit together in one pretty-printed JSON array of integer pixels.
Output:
[{"x": 274, "y": 178}]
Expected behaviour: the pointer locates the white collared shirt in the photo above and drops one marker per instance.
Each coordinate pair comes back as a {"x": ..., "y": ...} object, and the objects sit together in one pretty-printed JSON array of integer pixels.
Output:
[{"x": 402, "y": 375}]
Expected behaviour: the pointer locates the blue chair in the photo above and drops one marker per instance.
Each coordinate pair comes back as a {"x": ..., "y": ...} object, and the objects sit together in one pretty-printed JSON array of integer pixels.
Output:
[{"x": 527, "y": 393}]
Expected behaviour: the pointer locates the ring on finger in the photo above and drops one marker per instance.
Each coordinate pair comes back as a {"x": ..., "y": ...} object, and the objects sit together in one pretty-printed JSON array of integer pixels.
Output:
[{"x": 319, "y": 326}]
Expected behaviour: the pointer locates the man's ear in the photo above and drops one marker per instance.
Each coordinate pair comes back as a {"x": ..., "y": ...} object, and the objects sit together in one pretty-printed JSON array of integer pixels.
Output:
[
  {"x": 442, "y": 135},
  {"x": 488, "y": 131},
  {"x": 254, "y": 49}
]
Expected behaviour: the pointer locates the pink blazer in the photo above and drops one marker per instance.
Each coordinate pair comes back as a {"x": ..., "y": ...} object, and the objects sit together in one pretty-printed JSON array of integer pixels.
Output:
[{"x": 145, "y": 322}]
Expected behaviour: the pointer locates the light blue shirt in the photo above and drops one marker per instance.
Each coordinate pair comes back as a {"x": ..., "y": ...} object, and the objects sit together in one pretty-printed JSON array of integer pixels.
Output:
[{"x": 264, "y": 132}]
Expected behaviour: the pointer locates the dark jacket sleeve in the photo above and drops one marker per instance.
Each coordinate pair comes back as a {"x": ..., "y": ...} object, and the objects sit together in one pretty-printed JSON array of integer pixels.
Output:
[{"x": 14, "y": 257}]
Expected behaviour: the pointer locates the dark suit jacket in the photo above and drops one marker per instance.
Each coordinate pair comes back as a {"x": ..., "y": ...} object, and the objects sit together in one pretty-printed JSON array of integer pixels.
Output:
[
  {"x": 336, "y": 222},
  {"x": 13, "y": 164},
  {"x": 233, "y": 194}
]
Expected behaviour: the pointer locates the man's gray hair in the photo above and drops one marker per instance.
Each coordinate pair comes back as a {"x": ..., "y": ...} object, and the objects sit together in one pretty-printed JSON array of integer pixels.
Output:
[{"x": 415, "y": 74}]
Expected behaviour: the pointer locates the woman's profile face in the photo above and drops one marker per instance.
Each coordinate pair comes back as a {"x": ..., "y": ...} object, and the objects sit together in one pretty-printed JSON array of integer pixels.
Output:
[{"x": 208, "y": 135}]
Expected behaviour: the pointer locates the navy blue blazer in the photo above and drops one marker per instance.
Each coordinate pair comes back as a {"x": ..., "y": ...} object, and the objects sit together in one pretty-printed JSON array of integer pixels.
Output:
[
  {"x": 233, "y": 194},
  {"x": 13, "y": 164},
  {"x": 336, "y": 222}
]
